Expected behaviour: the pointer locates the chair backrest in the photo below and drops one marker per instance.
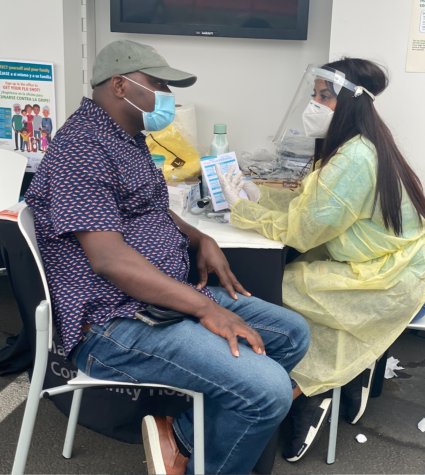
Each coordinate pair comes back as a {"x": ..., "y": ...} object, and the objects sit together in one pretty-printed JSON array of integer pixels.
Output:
[
  {"x": 26, "y": 226},
  {"x": 12, "y": 169}
]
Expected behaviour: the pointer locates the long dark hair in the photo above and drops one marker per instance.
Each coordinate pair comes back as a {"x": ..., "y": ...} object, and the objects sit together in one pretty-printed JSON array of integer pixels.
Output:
[{"x": 357, "y": 115}]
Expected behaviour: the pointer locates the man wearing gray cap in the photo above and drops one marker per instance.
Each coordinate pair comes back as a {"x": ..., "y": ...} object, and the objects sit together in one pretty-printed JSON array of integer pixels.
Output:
[{"x": 116, "y": 257}]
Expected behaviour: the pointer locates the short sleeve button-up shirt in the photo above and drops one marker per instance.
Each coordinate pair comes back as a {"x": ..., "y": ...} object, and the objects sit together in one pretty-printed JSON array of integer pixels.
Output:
[{"x": 96, "y": 177}]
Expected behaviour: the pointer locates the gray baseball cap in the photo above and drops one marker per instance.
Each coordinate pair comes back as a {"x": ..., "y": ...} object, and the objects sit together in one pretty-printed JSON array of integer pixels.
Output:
[{"x": 125, "y": 56}]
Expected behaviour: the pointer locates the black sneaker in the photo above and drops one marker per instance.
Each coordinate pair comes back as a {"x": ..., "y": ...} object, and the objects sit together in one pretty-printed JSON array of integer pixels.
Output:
[
  {"x": 308, "y": 415},
  {"x": 356, "y": 394}
]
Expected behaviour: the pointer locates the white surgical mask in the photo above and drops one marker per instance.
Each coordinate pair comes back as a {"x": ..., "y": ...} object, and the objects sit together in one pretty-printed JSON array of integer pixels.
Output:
[
  {"x": 316, "y": 119},
  {"x": 164, "y": 110}
]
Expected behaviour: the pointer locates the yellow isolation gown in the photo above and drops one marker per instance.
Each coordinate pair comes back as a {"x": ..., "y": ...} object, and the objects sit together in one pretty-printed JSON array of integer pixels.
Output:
[{"x": 357, "y": 283}]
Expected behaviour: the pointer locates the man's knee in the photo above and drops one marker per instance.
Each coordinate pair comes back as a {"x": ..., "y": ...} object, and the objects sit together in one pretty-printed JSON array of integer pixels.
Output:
[{"x": 274, "y": 395}]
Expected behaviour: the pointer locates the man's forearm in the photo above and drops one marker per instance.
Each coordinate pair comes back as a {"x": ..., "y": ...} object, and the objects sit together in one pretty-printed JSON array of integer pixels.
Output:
[
  {"x": 132, "y": 273},
  {"x": 194, "y": 234}
]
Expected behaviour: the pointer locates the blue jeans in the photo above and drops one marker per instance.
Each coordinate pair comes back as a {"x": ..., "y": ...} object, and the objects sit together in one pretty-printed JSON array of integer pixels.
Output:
[{"x": 246, "y": 398}]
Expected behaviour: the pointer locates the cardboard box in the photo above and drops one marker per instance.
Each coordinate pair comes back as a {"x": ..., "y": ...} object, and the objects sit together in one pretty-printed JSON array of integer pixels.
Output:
[{"x": 277, "y": 183}]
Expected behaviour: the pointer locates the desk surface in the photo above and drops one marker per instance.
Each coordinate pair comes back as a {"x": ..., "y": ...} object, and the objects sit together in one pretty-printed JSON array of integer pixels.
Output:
[{"x": 227, "y": 236}]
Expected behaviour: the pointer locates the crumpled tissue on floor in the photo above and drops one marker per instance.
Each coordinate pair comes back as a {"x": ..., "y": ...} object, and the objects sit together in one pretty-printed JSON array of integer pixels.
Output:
[{"x": 392, "y": 365}]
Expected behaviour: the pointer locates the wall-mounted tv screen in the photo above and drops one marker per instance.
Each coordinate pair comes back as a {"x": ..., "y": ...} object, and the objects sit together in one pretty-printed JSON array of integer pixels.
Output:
[{"x": 272, "y": 19}]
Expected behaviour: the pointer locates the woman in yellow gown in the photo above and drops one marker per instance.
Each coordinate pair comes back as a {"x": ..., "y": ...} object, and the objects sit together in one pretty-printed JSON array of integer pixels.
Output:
[{"x": 358, "y": 220}]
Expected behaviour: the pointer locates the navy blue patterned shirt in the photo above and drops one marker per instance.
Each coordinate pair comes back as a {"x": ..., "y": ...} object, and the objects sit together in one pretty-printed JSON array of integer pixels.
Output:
[{"x": 96, "y": 177}]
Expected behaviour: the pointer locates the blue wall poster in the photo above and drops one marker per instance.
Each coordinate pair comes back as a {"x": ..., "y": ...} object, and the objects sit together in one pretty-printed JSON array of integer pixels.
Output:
[{"x": 27, "y": 108}]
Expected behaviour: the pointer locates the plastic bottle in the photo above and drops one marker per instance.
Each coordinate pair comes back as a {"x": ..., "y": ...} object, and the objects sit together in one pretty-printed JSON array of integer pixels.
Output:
[
  {"x": 219, "y": 143},
  {"x": 218, "y": 146}
]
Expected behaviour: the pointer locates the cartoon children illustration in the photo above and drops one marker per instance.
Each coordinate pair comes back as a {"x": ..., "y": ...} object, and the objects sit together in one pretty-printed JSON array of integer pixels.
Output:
[
  {"x": 17, "y": 126},
  {"x": 46, "y": 123},
  {"x": 30, "y": 118},
  {"x": 36, "y": 123},
  {"x": 34, "y": 144},
  {"x": 44, "y": 142},
  {"x": 24, "y": 117},
  {"x": 26, "y": 139}
]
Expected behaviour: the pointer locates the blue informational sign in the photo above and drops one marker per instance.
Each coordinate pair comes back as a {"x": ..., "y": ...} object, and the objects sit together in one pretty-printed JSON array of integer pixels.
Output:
[
  {"x": 26, "y": 71},
  {"x": 5, "y": 123},
  {"x": 27, "y": 108}
]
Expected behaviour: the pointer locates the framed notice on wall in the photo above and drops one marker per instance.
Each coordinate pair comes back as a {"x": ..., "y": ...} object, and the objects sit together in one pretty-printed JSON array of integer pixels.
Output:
[
  {"x": 27, "y": 108},
  {"x": 415, "y": 61}
]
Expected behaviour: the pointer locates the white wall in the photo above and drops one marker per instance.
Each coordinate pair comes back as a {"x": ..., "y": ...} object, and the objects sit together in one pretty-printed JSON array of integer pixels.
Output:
[
  {"x": 55, "y": 20},
  {"x": 246, "y": 83},
  {"x": 379, "y": 30}
]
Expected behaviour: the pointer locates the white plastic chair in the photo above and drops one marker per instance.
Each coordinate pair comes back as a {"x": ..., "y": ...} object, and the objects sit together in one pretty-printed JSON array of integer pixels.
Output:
[
  {"x": 12, "y": 169},
  {"x": 43, "y": 317},
  {"x": 418, "y": 323}
]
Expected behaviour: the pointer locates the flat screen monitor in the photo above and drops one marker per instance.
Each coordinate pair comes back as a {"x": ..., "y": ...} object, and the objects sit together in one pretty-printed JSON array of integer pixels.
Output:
[{"x": 272, "y": 19}]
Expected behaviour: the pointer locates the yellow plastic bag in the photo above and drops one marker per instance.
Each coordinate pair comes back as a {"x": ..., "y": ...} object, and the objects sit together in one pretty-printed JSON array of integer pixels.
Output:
[{"x": 182, "y": 160}]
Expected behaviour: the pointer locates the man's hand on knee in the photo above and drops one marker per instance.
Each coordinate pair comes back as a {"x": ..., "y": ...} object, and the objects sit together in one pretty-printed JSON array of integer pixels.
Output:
[{"x": 228, "y": 325}]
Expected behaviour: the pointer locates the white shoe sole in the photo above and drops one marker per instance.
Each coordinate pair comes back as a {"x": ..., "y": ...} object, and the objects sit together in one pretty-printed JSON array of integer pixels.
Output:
[
  {"x": 152, "y": 447},
  {"x": 312, "y": 432}
]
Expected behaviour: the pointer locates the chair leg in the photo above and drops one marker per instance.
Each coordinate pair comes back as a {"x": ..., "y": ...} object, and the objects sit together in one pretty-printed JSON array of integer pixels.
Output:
[
  {"x": 28, "y": 422},
  {"x": 72, "y": 423},
  {"x": 198, "y": 435},
  {"x": 34, "y": 393},
  {"x": 333, "y": 431},
  {"x": 378, "y": 377}
]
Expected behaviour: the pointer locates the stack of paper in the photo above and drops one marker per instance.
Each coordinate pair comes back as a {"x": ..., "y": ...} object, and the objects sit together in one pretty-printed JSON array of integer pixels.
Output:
[{"x": 11, "y": 214}]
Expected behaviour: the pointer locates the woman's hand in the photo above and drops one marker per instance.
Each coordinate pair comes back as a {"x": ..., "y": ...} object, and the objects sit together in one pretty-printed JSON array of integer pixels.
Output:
[
  {"x": 210, "y": 258},
  {"x": 252, "y": 190},
  {"x": 231, "y": 184}
]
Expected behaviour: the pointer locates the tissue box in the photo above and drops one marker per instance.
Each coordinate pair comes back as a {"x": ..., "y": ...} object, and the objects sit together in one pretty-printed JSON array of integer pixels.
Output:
[{"x": 183, "y": 196}]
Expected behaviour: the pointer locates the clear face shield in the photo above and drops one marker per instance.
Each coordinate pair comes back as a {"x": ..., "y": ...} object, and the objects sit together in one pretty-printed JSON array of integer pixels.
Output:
[{"x": 308, "y": 118}]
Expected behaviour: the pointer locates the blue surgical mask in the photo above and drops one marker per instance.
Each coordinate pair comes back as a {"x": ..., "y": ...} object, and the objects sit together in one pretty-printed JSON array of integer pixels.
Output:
[{"x": 164, "y": 110}]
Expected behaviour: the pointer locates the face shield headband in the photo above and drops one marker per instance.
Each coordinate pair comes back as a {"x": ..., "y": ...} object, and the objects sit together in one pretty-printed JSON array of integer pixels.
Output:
[{"x": 338, "y": 81}]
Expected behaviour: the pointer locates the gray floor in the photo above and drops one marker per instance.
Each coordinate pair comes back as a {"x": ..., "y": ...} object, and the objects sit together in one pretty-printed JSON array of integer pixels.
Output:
[{"x": 394, "y": 445}]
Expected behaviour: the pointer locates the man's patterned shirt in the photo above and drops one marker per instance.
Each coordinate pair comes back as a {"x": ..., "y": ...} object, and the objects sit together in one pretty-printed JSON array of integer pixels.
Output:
[{"x": 96, "y": 177}]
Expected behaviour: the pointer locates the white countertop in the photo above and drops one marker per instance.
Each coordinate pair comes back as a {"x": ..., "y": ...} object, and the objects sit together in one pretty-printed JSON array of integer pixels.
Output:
[{"x": 227, "y": 235}]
